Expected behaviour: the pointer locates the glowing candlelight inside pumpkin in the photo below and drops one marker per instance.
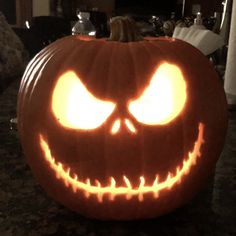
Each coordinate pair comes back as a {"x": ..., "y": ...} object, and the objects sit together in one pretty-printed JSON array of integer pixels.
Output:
[
  {"x": 163, "y": 99},
  {"x": 75, "y": 107}
]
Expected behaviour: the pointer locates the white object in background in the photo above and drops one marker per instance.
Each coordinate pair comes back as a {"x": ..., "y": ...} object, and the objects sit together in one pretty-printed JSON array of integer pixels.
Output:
[
  {"x": 230, "y": 73},
  {"x": 84, "y": 26},
  {"x": 225, "y": 23},
  {"x": 198, "y": 22},
  {"x": 205, "y": 40}
]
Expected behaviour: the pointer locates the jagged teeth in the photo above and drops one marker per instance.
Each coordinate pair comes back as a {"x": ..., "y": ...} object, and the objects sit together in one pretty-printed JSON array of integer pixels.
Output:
[
  {"x": 113, "y": 182},
  {"x": 177, "y": 174},
  {"x": 141, "y": 185},
  {"x": 112, "y": 186},
  {"x": 111, "y": 190},
  {"x": 67, "y": 172},
  {"x": 74, "y": 186},
  {"x": 60, "y": 168},
  {"x": 88, "y": 183},
  {"x": 75, "y": 177},
  {"x": 168, "y": 180},
  {"x": 127, "y": 182},
  {"x": 99, "y": 194},
  {"x": 129, "y": 187},
  {"x": 155, "y": 187}
]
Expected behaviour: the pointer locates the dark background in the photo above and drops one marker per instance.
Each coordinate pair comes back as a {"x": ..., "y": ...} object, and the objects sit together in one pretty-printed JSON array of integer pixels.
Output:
[
  {"x": 150, "y": 6},
  {"x": 8, "y": 7}
]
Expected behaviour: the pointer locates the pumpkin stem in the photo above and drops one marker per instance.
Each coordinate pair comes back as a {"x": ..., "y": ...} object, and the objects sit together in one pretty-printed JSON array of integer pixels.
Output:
[{"x": 124, "y": 29}]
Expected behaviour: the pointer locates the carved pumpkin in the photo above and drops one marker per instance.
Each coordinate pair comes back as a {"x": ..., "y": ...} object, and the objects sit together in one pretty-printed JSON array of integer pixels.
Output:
[{"x": 121, "y": 130}]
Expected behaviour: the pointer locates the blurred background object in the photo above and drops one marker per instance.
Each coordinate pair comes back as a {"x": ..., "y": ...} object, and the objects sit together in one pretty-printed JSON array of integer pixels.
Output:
[
  {"x": 204, "y": 40},
  {"x": 13, "y": 56},
  {"x": 83, "y": 26},
  {"x": 230, "y": 73},
  {"x": 39, "y": 23}
]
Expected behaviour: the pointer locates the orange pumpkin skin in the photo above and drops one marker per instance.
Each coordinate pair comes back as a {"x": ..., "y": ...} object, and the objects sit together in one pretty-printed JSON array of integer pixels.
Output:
[{"x": 118, "y": 72}]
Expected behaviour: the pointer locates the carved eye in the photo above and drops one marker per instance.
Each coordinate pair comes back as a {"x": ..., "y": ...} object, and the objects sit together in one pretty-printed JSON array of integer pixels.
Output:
[
  {"x": 163, "y": 99},
  {"x": 75, "y": 107}
]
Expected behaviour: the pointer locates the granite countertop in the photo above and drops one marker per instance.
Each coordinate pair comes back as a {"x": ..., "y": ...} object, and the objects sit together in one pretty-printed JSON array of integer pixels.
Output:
[{"x": 25, "y": 209}]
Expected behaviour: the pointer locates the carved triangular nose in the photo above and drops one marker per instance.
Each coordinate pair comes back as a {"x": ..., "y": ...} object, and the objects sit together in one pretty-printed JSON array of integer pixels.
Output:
[{"x": 123, "y": 125}]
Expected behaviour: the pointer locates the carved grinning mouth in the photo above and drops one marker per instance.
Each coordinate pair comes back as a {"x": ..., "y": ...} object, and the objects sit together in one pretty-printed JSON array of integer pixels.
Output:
[{"x": 111, "y": 190}]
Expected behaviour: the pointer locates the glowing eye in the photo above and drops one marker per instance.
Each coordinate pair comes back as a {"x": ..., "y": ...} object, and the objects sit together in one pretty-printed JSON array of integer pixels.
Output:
[
  {"x": 163, "y": 99},
  {"x": 75, "y": 107}
]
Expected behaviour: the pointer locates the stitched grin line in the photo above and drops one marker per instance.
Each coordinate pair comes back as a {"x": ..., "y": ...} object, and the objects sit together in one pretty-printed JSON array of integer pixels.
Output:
[{"x": 71, "y": 179}]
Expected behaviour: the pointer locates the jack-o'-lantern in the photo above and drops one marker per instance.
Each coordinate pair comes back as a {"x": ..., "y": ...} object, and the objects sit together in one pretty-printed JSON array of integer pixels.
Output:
[{"x": 125, "y": 128}]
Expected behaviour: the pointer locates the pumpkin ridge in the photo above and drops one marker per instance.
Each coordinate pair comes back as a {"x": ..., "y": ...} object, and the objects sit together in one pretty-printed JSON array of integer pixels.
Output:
[{"x": 29, "y": 84}]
